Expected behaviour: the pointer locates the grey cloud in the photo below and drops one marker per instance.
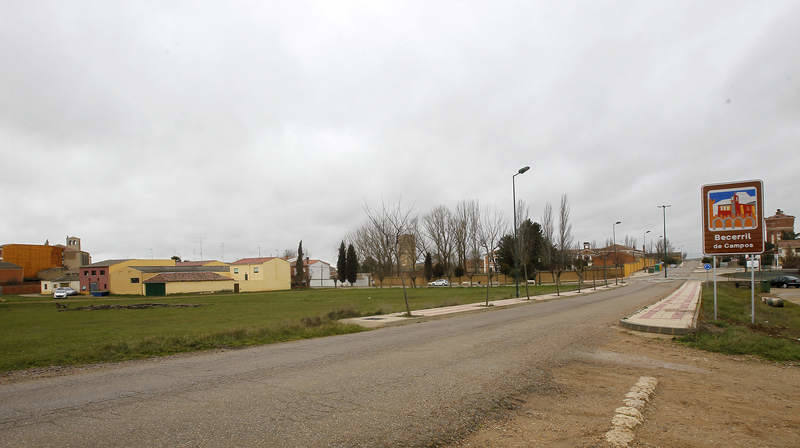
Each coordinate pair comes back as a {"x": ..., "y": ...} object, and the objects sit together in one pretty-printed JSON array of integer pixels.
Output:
[{"x": 263, "y": 123}]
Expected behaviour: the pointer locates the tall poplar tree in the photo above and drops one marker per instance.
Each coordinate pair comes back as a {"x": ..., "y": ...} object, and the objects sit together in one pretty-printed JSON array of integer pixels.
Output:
[
  {"x": 351, "y": 264},
  {"x": 299, "y": 267},
  {"x": 341, "y": 264}
]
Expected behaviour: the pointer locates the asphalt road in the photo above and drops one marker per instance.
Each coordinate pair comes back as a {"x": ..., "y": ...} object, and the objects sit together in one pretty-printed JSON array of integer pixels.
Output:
[{"x": 410, "y": 385}]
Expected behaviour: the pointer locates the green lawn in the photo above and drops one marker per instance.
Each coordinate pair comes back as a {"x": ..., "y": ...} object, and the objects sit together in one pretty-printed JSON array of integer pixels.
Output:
[
  {"x": 774, "y": 335},
  {"x": 760, "y": 275},
  {"x": 34, "y": 334}
]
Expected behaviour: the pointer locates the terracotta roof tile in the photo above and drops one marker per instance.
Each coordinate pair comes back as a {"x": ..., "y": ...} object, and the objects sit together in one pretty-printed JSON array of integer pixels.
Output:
[{"x": 187, "y": 277}]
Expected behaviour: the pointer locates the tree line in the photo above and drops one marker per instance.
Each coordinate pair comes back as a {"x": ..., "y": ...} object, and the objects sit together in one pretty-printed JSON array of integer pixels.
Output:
[{"x": 463, "y": 240}]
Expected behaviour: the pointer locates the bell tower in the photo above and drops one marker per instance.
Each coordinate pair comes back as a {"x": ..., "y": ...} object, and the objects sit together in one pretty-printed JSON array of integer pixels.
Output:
[{"x": 73, "y": 242}]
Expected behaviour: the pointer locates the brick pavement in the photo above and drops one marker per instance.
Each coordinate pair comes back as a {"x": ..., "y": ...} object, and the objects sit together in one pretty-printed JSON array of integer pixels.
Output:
[{"x": 674, "y": 314}]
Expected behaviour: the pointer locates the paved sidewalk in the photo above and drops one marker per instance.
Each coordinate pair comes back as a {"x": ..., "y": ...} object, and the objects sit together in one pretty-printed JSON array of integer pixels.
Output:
[
  {"x": 675, "y": 314},
  {"x": 386, "y": 319}
]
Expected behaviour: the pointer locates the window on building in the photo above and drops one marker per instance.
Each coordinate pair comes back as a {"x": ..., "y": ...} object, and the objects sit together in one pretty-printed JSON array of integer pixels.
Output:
[
  {"x": 102, "y": 272},
  {"x": 255, "y": 269},
  {"x": 105, "y": 286},
  {"x": 235, "y": 270},
  {"x": 94, "y": 272},
  {"x": 85, "y": 272},
  {"x": 134, "y": 280},
  {"x": 45, "y": 286},
  {"x": 245, "y": 276}
]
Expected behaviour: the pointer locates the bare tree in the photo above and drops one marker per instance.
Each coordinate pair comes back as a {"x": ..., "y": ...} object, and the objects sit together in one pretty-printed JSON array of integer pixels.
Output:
[
  {"x": 289, "y": 253},
  {"x": 459, "y": 228},
  {"x": 437, "y": 229},
  {"x": 474, "y": 250},
  {"x": 420, "y": 248},
  {"x": 564, "y": 243},
  {"x": 630, "y": 241},
  {"x": 548, "y": 251},
  {"x": 370, "y": 243},
  {"x": 389, "y": 223},
  {"x": 523, "y": 212},
  {"x": 491, "y": 228}
]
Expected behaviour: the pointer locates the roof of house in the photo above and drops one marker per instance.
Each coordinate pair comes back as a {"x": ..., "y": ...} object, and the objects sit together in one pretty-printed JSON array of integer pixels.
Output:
[
  {"x": 7, "y": 265},
  {"x": 187, "y": 277},
  {"x": 51, "y": 274},
  {"x": 67, "y": 277},
  {"x": 151, "y": 269},
  {"x": 257, "y": 260},
  {"x": 105, "y": 263},
  {"x": 194, "y": 263}
]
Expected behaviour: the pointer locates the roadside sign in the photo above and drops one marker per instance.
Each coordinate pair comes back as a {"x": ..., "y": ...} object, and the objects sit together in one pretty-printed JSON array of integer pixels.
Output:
[
  {"x": 733, "y": 218},
  {"x": 707, "y": 266}
]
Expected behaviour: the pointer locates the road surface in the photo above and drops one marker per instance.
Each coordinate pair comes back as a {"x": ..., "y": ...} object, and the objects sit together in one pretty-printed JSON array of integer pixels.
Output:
[{"x": 410, "y": 385}]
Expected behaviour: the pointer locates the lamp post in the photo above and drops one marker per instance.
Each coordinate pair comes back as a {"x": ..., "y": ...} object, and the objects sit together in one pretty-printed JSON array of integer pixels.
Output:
[
  {"x": 616, "y": 263},
  {"x": 664, "y": 211},
  {"x": 644, "y": 246},
  {"x": 516, "y": 240}
]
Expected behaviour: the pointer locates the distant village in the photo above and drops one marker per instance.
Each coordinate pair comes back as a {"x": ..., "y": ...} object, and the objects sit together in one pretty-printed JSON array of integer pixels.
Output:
[{"x": 41, "y": 268}]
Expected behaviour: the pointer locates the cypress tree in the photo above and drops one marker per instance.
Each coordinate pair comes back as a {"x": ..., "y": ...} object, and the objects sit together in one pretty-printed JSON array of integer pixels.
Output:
[
  {"x": 428, "y": 266},
  {"x": 299, "y": 267},
  {"x": 341, "y": 264},
  {"x": 351, "y": 264}
]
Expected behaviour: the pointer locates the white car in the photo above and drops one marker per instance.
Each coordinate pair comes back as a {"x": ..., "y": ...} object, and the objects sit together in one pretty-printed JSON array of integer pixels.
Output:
[
  {"x": 63, "y": 293},
  {"x": 440, "y": 282}
]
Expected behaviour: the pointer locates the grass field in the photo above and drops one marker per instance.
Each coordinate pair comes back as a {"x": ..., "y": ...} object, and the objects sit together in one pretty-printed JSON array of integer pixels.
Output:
[
  {"x": 760, "y": 275},
  {"x": 34, "y": 334},
  {"x": 774, "y": 336}
]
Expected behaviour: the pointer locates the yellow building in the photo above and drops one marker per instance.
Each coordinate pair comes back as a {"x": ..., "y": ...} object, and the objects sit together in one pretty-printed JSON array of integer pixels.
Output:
[
  {"x": 187, "y": 283},
  {"x": 155, "y": 277},
  {"x": 261, "y": 274}
]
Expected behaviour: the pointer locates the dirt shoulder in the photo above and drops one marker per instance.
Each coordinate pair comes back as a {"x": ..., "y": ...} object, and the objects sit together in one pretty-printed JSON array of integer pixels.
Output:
[{"x": 702, "y": 400}]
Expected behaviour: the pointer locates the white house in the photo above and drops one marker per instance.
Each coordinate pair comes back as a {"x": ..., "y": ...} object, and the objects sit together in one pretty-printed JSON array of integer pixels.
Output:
[{"x": 318, "y": 271}]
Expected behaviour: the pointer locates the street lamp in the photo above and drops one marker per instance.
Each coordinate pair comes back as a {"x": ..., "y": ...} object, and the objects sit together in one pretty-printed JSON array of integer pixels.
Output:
[
  {"x": 644, "y": 246},
  {"x": 516, "y": 241},
  {"x": 664, "y": 210},
  {"x": 616, "y": 263}
]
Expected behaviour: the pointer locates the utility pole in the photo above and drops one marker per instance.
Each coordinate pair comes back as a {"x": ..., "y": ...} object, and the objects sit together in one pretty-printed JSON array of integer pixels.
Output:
[
  {"x": 616, "y": 261},
  {"x": 664, "y": 211}
]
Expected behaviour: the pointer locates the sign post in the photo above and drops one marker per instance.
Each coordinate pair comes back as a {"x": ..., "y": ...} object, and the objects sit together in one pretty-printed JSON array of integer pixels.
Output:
[
  {"x": 714, "y": 264},
  {"x": 733, "y": 224}
]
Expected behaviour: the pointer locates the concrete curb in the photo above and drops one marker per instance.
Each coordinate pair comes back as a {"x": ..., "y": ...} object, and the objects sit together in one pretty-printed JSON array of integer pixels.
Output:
[{"x": 654, "y": 329}]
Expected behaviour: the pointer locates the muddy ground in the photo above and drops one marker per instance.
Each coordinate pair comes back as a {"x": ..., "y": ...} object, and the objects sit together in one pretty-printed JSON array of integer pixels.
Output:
[{"x": 702, "y": 400}]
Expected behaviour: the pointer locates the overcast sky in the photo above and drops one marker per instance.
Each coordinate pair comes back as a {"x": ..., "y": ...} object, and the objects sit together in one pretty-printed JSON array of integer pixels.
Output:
[{"x": 145, "y": 129}]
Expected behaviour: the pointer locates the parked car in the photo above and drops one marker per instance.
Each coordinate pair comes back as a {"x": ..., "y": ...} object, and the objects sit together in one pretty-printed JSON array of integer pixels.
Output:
[
  {"x": 785, "y": 281},
  {"x": 63, "y": 293},
  {"x": 440, "y": 282}
]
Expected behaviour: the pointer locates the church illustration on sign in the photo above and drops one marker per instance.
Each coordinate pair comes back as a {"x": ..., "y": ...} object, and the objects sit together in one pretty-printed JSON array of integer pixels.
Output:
[{"x": 733, "y": 209}]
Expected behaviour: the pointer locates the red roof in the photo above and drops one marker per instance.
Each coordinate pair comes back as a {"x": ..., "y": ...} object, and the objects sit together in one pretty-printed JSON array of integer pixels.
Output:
[
  {"x": 253, "y": 260},
  {"x": 187, "y": 277}
]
